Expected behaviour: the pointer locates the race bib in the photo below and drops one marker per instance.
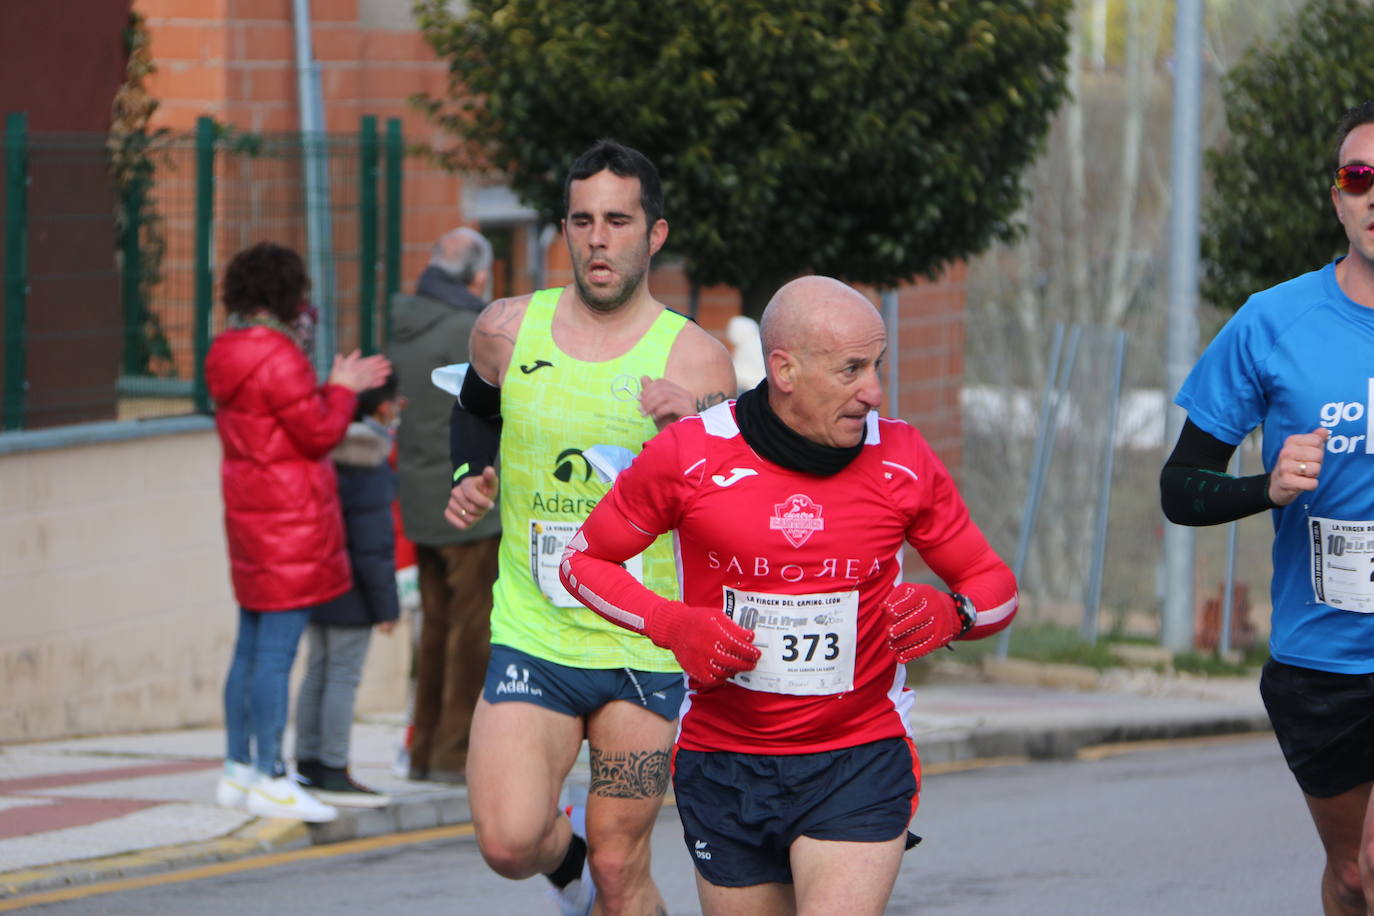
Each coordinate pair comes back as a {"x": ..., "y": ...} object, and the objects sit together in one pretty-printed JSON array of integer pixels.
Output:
[
  {"x": 1343, "y": 563},
  {"x": 547, "y": 541},
  {"x": 807, "y": 641}
]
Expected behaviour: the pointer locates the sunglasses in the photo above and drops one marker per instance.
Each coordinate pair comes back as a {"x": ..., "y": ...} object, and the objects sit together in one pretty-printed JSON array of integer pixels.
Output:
[{"x": 1355, "y": 179}]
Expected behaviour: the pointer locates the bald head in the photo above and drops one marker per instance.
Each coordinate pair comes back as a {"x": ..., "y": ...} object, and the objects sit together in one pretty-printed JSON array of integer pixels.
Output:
[
  {"x": 822, "y": 342},
  {"x": 803, "y": 313}
]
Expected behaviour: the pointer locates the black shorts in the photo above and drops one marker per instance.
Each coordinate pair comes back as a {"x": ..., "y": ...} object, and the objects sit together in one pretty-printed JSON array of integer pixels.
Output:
[
  {"x": 741, "y": 812},
  {"x": 515, "y": 676},
  {"x": 1325, "y": 725}
]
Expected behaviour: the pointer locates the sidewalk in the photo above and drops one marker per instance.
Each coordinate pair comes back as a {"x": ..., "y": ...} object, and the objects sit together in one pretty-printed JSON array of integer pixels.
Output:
[{"x": 93, "y": 809}]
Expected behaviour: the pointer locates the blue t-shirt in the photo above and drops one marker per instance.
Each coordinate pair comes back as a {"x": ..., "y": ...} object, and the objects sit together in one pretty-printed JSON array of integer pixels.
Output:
[{"x": 1296, "y": 357}]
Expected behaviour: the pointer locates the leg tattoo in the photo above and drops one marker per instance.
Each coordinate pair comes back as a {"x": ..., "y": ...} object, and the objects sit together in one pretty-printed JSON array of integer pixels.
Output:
[{"x": 629, "y": 774}]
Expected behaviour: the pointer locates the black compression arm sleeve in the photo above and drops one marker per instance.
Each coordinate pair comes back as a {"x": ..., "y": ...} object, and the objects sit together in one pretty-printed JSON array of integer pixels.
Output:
[
  {"x": 472, "y": 442},
  {"x": 1194, "y": 488}
]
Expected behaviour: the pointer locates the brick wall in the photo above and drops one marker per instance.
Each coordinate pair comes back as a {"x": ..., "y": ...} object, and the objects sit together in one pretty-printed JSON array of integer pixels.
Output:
[
  {"x": 931, "y": 344},
  {"x": 235, "y": 60}
]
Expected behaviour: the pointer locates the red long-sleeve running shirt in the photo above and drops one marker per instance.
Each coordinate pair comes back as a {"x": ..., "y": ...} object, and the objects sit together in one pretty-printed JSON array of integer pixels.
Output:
[{"x": 803, "y": 560}]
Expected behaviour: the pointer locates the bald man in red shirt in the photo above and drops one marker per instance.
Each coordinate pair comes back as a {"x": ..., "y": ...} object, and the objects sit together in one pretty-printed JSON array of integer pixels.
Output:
[{"x": 795, "y": 769}]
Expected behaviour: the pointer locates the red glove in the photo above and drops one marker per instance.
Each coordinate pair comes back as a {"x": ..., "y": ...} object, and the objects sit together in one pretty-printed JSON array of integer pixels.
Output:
[
  {"x": 921, "y": 619},
  {"x": 709, "y": 646}
]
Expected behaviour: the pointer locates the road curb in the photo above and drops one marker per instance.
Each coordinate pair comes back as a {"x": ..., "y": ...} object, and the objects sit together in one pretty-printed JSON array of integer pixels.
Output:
[
  {"x": 437, "y": 808},
  {"x": 440, "y": 807},
  {"x": 1063, "y": 743},
  {"x": 419, "y": 811},
  {"x": 253, "y": 838}
]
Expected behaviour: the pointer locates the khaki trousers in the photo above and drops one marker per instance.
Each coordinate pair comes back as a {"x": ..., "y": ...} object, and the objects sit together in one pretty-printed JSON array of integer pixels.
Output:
[{"x": 455, "y": 642}]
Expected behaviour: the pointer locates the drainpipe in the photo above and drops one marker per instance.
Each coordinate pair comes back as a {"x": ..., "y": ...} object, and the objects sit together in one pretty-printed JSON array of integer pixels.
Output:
[
  {"x": 893, "y": 319},
  {"x": 318, "y": 223}
]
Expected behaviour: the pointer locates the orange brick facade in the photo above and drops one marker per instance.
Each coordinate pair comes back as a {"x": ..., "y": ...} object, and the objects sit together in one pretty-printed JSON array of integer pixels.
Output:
[{"x": 235, "y": 60}]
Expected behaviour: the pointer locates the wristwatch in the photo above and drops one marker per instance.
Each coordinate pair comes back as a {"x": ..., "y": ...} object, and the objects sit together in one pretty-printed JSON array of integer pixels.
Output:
[{"x": 968, "y": 614}]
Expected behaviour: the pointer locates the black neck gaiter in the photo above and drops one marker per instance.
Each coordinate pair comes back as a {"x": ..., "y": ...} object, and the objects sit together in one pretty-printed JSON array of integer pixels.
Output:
[{"x": 782, "y": 445}]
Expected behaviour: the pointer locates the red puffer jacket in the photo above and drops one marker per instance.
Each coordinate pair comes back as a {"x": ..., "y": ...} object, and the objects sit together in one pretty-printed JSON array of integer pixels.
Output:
[{"x": 281, "y": 502}]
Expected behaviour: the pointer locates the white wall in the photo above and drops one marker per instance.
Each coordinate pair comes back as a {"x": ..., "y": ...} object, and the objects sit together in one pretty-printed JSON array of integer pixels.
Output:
[{"x": 116, "y": 613}]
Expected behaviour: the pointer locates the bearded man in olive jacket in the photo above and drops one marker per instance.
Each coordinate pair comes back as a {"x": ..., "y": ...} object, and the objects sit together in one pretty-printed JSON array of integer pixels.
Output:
[{"x": 456, "y": 568}]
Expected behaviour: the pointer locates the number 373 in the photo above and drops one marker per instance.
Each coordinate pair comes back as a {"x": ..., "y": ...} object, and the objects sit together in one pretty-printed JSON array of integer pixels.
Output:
[{"x": 792, "y": 648}]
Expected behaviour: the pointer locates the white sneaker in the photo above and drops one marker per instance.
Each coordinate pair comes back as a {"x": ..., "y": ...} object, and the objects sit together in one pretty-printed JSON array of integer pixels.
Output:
[
  {"x": 577, "y": 898},
  {"x": 234, "y": 782},
  {"x": 282, "y": 796}
]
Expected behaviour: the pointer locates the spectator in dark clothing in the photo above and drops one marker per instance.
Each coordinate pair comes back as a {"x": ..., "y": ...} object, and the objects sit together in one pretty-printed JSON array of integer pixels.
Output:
[
  {"x": 456, "y": 568},
  {"x": 341, "y": 629}
]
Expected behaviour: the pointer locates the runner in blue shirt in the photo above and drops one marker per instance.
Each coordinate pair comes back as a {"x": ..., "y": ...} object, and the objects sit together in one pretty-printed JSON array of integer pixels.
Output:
[{"x": 1298, "y": 359}]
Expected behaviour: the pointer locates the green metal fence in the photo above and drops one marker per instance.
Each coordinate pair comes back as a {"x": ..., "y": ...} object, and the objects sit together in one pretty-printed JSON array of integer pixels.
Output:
[{"x": 112, "y": 249}]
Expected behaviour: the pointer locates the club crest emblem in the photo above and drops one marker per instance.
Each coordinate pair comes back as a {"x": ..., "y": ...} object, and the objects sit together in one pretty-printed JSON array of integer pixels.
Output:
[{"x": 798, "y": 518}]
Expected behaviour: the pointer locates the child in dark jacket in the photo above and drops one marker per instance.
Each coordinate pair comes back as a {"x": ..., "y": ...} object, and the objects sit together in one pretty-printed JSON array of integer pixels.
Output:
[{"x": 340, "y": 629}]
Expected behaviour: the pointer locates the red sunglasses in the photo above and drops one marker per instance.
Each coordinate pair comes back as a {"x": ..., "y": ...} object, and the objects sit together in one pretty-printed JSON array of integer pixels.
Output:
[{"x": 1355, "y": 179}]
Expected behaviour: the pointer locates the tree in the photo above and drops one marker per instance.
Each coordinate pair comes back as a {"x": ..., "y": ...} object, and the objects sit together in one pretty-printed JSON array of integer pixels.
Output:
[
  {"x": 874, "y": 141},
  {"x": 1269, "y": 216}
]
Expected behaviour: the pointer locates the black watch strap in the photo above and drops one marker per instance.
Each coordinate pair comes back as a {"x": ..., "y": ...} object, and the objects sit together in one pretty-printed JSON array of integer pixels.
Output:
[{"x": 968, "y": 614}]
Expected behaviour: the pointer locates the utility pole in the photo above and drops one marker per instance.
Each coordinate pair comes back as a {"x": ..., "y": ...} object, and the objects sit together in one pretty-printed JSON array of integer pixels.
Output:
[{"x": 1176, "y": 630}]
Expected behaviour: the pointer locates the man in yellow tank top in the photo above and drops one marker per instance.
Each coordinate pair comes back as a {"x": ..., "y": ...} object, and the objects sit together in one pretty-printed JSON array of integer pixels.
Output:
[{"x": 552, "y": 374}]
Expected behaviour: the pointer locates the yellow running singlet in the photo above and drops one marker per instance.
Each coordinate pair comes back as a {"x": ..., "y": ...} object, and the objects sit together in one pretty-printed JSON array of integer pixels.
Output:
[{"x": 553, "y": 407}]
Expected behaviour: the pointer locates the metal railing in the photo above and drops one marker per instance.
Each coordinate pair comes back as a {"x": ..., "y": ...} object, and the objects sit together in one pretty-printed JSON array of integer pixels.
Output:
[{"x": 112, "y": 247}]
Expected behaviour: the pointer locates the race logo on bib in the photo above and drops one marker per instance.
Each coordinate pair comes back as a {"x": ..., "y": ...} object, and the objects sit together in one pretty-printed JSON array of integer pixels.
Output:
[{"x": 798, "y": 518}]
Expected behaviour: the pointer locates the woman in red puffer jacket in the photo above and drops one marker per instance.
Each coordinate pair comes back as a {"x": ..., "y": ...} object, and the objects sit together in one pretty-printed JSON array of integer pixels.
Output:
[{"x": 281, "y": 507}]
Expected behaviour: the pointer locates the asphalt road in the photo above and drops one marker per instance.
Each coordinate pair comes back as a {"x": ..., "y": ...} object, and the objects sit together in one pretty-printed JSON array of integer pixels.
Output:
[{"x": 1190, "y": 828}]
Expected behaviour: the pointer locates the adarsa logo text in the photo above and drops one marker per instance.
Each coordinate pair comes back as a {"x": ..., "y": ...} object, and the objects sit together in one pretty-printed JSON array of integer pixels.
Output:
[{"x": 564, "y": 505}]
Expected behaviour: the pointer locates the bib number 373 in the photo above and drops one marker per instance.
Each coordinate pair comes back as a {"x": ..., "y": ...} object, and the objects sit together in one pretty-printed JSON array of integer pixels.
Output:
[
  {"x": 802, "y": 647},
  {"x": 807, "y": 642}
]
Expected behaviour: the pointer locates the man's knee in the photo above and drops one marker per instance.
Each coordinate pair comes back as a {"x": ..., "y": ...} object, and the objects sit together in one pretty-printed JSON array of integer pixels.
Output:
[
  {"x": 509, "y": 856},
  {"x": 619, "y": 866},
  {"x": 1365, "y": 871},
  {"x": 1347, "y": 882}
]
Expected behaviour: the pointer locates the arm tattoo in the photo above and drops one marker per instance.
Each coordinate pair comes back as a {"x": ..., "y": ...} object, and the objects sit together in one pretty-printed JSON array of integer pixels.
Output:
[
  {"x": 496, "y": 320},
  {"x": 629, "y": 774},
  {"x": 709, "y": 400}
]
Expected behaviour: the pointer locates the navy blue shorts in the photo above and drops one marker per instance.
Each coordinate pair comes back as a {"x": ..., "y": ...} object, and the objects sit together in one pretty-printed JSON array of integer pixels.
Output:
[
  {"x": 742, "y": 812},
  {"x": 515, "y": 676},
  {"x": 1324, "y": 723}
]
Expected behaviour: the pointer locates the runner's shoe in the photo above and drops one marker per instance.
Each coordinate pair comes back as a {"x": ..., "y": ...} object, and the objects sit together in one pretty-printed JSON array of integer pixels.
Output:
[
  {"x": 234, "y": 782},
  {"x": 577, "y": 898},
  {"x": 282, "y": 796},
  {"x": 335, "y": 786}
]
